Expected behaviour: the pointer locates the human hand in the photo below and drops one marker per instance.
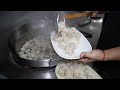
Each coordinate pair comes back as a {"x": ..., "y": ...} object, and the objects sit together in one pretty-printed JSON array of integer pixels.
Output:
[
  {"x": 94, "y": 55},
  {"x": 95, "y": 13}
]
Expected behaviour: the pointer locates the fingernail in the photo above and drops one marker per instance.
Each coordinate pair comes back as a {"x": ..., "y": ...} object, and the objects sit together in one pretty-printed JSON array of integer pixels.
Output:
[{"x": 81, "y": 55}]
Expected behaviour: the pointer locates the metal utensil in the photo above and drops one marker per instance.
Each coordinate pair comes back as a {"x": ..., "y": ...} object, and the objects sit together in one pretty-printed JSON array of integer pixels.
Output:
[{"x": 59, "y": 20}]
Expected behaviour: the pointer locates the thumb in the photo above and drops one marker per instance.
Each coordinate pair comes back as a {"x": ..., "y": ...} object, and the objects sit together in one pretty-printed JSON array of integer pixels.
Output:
[{"x": 85, "y": 55}]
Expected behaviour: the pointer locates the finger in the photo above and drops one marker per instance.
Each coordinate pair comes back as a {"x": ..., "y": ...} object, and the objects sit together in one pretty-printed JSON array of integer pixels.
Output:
[
  {"x": 82, "y": 55},
  {"x": 85, "y": 60},
  {"x": 85, "y": 54}
]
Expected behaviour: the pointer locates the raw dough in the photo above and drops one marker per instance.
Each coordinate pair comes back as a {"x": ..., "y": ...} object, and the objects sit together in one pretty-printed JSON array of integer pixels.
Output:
[
  {"x": 75, "y": 70},
  {"x": 68, "y": 38}
]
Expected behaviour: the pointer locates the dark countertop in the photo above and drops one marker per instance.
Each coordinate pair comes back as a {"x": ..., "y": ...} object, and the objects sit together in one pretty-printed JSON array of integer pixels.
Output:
[{"x": 8, "y": 67}]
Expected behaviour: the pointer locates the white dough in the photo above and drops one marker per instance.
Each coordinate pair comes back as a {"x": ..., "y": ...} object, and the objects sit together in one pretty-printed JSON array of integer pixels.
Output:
[
  {"x": 37, "y": 48},
  {"x": 75, "y": 70},
  {"x": 68, "y": 38}
]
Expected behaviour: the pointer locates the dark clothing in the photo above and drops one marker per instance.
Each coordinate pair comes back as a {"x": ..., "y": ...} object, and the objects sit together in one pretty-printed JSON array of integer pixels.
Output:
[
  {"x": 110, "y": 35},
  {"x": 109, "y": 38}
]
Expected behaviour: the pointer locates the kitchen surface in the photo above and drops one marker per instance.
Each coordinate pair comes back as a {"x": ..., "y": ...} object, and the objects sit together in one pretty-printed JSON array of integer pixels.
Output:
[{"x": 9, "y": 68}]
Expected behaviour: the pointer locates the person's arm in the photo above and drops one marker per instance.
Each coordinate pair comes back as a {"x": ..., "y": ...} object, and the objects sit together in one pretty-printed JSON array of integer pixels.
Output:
[
  {"x": 100, "y": 55},
  {"x": 112, "y": 54}
]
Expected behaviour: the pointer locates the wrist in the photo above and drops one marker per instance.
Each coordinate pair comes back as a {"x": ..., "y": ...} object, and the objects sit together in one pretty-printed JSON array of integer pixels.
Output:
[
  {"x": 103, "y": 55},
  {"x": 107, "y": 55},
  {"x": 100, "y": 55}
]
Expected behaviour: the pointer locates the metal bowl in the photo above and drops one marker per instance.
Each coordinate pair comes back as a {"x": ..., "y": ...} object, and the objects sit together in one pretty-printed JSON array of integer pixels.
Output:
[
  {"x": 27, "y": 31},
  {"x": 40, "y": 25}
]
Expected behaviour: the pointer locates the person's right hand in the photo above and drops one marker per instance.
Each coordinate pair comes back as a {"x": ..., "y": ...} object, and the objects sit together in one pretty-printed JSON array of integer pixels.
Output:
[{"x": 95, "y": 55}]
